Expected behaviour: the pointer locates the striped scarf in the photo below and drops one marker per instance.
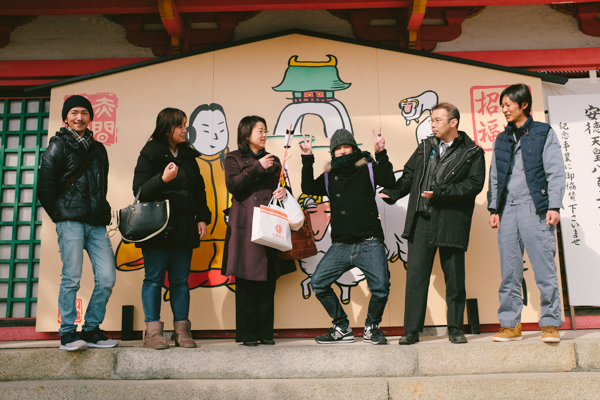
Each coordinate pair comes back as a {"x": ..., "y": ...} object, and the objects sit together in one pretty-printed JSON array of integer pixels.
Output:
[{"x": 85, "y": 140}]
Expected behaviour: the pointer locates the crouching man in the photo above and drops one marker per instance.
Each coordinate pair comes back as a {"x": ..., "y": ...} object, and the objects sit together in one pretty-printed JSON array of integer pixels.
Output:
[{"x": 357, "y": 237}]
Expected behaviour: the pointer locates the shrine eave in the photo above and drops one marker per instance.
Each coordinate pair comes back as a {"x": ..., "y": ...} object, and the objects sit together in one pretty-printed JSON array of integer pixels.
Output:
[
  {"x": 75, "y": 7},
  {"x": 544, "y": 77}
]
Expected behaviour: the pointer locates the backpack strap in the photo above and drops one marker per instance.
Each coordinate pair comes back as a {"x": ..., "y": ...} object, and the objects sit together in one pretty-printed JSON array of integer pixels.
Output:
[
  {"x": 370, "y": 165},
  {"x": 73, "y": 178}
]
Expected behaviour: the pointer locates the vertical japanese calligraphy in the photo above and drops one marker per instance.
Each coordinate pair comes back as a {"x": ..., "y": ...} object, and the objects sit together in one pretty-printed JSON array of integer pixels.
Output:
[
  {"x": 488, "y": 121},
  {"x": 576, "y": 122}
]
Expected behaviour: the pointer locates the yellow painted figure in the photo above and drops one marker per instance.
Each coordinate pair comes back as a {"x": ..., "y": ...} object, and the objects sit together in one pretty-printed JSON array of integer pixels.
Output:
[{"x": 208, "y": 133}]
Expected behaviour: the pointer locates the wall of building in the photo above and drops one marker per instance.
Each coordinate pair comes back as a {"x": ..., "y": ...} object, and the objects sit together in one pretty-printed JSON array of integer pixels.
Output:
[{"x": 519, "y": 28}]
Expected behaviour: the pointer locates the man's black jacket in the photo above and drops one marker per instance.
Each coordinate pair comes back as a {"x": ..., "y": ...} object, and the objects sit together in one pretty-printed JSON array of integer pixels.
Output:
[
  {"x": 354, "y": 214},
  {"x": 85, "y": 201},
  {"x": 453, "y": 195}
]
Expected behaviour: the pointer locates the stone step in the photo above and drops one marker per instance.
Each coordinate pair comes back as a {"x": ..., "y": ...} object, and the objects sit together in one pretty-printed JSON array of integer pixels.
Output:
[
  {"x": 304, "y": 359},
  {"x": 566, "y": 385}
]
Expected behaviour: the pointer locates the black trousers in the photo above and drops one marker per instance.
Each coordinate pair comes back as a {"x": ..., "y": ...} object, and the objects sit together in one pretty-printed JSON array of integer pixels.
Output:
[
  {"x": 255, "y": 308},
  {"x": 421, "y": 253}
]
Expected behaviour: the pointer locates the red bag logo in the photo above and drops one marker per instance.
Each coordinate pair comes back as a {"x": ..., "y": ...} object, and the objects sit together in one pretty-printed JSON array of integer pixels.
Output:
[{"x": 278, "y": 228}]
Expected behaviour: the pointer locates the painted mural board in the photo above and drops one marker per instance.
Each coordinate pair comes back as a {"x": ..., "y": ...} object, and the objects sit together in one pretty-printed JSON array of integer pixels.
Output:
[
  {"x": 316, "y": 85},
  {"x": 576, "y": 120}
]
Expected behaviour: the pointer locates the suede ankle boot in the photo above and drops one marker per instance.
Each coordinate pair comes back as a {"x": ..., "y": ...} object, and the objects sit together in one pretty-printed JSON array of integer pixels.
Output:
[
  {"x": 153, "y": 336},
  {"x": 182, "y": 335}
]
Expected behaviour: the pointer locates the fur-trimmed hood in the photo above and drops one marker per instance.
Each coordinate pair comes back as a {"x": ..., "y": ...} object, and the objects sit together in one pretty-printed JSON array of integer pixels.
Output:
[{"x": 360, "y": 163}]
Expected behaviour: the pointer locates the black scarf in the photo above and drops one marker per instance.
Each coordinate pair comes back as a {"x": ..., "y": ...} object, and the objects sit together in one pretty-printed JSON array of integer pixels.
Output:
[
  {"x": 260, "y": 154},
  {"x": 349, "y": 160}
]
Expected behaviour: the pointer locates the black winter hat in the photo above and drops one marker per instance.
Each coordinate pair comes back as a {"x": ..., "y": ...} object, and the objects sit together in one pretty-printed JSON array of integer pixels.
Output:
[
  {"x": 340, "y": 137},
  {"x": 77, "y": 101}
]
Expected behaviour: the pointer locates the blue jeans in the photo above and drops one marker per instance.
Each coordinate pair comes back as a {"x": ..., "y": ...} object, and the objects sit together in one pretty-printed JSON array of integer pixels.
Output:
[
  {"x": 73, "y": 237},
  {"x": 157, "y": 261},
  {"x": 369, "y": 256}
]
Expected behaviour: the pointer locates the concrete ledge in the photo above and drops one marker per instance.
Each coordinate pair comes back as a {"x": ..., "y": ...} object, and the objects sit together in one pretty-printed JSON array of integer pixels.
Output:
[
  {"x": 29, "y": 364},
  {"x": 588, "y": 355},
  {"x": 497, "y": 358},
  {"x": 272, "y": 362},
  {"x": 567, "y": 385},
  {"x": 297, "y": 359},
  {"x": 560, "y": 385},
  {"x": 264, "y": 389}
]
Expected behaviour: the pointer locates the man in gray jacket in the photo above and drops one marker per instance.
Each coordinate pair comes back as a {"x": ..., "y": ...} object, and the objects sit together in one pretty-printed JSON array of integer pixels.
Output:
[{"x": 526, "y": 188}]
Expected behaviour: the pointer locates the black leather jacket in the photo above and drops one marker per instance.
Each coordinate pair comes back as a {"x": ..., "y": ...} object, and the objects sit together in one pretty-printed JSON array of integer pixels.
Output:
[
  {"x": 453, "y": 196},
  {"x": 85, "y": 201}
]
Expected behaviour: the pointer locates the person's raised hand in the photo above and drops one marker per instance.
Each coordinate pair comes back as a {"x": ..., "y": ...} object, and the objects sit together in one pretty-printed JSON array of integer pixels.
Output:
[
  {"x": 378, "y": 141},
  {"x": 170, "y": 172},
  {"x": 267, "y": 161},
  {"x": 306, "y": 145}
]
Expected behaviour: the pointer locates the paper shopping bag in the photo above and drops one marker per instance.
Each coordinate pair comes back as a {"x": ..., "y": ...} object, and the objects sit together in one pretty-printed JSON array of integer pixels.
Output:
[
  {"x": 293, "y": 211},
  {"x": 270, "y": 227}
]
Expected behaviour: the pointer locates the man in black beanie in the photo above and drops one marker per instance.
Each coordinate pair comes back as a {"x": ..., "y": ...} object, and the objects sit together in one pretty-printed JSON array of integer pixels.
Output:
[
  {"x": 357, "y": 237},
  {"x": 72, "y": 186}
]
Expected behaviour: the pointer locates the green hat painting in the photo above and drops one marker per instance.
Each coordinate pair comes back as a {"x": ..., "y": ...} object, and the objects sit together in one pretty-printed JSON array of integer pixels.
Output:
[{"x": 313, "y": 86}]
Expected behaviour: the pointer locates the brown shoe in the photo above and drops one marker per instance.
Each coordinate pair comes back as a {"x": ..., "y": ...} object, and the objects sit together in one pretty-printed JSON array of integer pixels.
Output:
[
  {"x": 550, "y": 334},
  {"x": 508, "y": 334},
  {"x": 153, "y": 336},
  {"x": 182, "y": 336}
]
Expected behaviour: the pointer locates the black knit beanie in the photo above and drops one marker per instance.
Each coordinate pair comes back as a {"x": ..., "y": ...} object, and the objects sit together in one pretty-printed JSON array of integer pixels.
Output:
[
  {"x": 77, "y": 101},
  {"x": 340, "y": 137}
]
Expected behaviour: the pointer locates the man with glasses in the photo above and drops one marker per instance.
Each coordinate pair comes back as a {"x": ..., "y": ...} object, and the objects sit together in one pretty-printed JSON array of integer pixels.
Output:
[{"x": 443, "y": 176}]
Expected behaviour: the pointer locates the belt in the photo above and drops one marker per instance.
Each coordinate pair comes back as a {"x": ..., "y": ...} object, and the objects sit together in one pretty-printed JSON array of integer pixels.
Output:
[{"x": 357, "y": 241}]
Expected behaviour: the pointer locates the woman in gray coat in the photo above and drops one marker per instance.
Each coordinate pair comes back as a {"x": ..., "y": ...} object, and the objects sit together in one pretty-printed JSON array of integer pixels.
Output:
[{"x": 251, "y": 176}]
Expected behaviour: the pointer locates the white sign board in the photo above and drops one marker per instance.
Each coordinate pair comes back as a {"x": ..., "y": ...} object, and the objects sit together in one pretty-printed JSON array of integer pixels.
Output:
[{"x": 576, "y": 120}]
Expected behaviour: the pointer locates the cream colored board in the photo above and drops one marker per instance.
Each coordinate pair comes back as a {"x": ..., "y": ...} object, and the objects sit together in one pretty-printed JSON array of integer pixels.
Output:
[{"x": 240, "y": 79}]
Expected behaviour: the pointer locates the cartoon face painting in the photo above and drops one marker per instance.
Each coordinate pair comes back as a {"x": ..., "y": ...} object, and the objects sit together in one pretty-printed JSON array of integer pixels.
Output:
[{"x": 208, "y": 131}]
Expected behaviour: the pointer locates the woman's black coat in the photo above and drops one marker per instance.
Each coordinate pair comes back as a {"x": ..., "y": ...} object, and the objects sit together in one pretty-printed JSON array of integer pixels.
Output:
[{"x": 186, "y": 194}]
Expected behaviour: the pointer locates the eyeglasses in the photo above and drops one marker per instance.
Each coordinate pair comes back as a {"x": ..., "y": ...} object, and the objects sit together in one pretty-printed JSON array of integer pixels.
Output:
[{"x": 438, "y": 120}]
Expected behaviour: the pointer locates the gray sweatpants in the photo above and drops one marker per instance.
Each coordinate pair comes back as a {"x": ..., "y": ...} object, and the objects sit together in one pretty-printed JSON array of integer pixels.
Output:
[{"x": 520, "y": 227}]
